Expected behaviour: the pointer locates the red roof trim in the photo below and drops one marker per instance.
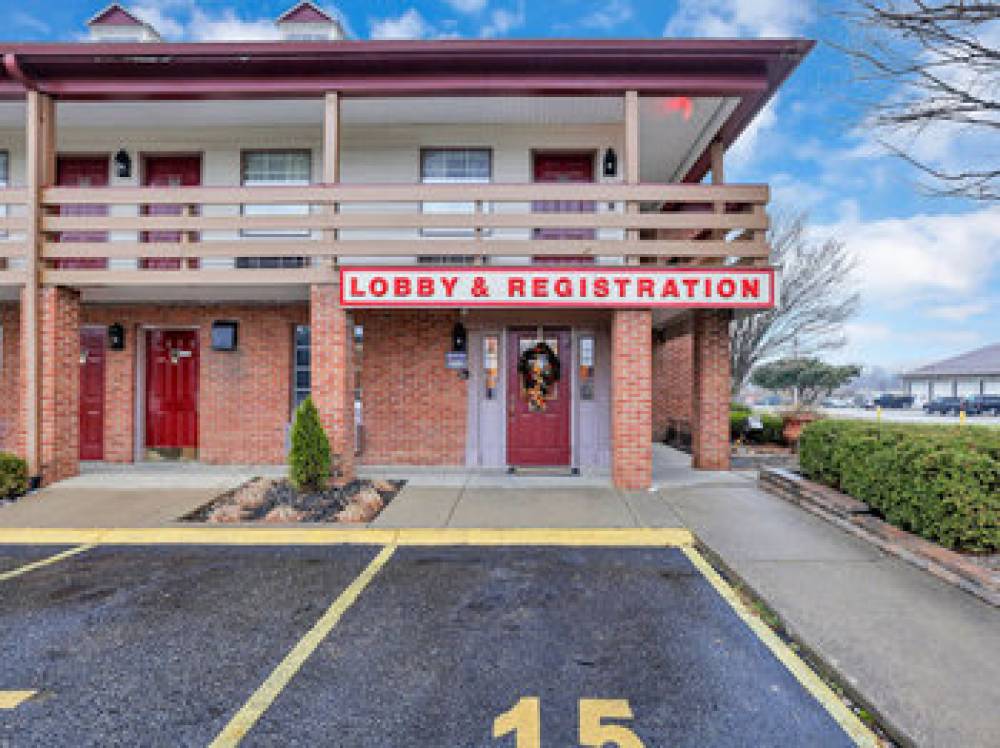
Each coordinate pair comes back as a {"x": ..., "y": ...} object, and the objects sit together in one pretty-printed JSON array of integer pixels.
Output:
[
  {"x": 115, "y": 15},
  {"x": 305, "y": 12}
]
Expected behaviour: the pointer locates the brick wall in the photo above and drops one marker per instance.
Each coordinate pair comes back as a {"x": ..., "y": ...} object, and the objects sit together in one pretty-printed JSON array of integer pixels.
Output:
[
  {"x": 59, "y": 315},
  {"x": 11, "y": 422},
  {"x": 710, "y": 444},
  {"x": 332, "y": 368},
  {"x": 414, "y": 409},
  {"x": 244, "y": 396},
  {"x": 672, "y": 376},
  {"x": 631, "y": 399}
]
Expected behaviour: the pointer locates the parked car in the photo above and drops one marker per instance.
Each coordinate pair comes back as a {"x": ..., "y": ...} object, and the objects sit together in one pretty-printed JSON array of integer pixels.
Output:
[
  {"x": 945, "y": 406},
  {"x": 980, "y": 405},
  {"x": 893, "y": 401},
  {"x": 837, "y": 402}
]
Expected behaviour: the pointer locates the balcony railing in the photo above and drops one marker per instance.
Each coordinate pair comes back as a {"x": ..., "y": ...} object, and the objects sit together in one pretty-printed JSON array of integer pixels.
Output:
[
  {"x": 13, "y": 228},
  {"x": 325, "y": 223}
]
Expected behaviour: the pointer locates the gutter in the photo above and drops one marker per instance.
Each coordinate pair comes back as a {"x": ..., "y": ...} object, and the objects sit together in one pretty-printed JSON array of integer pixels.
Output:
[{"x": 15, "y": 71}]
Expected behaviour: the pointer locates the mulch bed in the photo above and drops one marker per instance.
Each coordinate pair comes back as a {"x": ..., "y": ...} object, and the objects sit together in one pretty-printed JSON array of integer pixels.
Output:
[{"x": 275, "y": 500}]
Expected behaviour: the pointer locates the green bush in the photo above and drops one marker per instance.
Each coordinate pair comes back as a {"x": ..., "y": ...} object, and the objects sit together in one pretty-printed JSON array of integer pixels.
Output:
[
  {"x": 309, "y": 461},
  {"x": 771, "y": 433},
  {"x": 13, "y": 475},
  {"x": 940, "y": 482}
]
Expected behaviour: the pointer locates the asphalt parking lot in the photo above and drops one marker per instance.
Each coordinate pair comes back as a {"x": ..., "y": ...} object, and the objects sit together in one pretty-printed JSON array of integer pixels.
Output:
[{"x": 186, "y": 645}]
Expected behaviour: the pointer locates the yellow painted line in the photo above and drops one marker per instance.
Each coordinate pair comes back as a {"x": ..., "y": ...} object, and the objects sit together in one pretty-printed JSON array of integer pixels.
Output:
[
  {"x": 4, "y": 576},
  {"x": 649, "y": 537},
  {"x": 264, "y": 696},
  {"x": 14, "y": 699},
  {"x": 848, "y": 720}
]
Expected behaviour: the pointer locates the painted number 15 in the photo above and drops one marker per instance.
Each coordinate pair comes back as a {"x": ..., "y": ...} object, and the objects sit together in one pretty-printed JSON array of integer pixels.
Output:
[{"x": 524, "y": 719}]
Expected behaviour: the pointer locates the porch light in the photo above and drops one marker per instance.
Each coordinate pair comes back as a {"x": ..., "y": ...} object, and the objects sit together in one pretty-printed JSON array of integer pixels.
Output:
[
  {"x": 123, "y": 163},
  {"x": 610, "y": 163},
  {"x": 459, "y": 338}
]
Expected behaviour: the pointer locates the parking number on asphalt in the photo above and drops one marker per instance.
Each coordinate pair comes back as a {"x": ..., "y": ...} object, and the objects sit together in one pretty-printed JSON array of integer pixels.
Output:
[{"x": 524, "y": 719}]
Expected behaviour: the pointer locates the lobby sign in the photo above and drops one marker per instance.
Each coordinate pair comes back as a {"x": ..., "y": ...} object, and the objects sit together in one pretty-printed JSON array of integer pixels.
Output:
[{"x": 538, "y": 286}]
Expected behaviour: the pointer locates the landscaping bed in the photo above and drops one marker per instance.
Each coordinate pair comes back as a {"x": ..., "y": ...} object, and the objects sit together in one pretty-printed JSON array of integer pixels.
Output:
[{"x": 275, "y": 500}]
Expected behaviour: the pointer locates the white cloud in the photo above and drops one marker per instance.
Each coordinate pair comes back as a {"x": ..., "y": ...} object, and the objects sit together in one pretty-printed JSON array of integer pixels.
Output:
[
  {"x": 747, "y": 146},
  {"x": 610, "y": 15},
  {"x": 468, "y": 6},
  {"x": 160, "y": 16},
  {"x": 409, "y": 25},
  {"x": 922, "y": 261},
  {"x": 503, "y": 21},
  {"x": 739, "y": 18},
  {"x": 227, "y": 26},
  {"x": 28, "y": 21},
  {"x": 960, "y": 312},
  {"x": 186, "y": 20}
]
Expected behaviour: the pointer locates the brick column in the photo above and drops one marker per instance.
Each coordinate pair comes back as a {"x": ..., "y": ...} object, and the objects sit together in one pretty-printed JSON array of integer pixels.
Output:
[
  {"x": 672, "y": 385},
  {"x": 59, "y": 317},
  {"x": 631, "y": 399},
  {"x": 710, "y": 407},
  {"x": 332, "y": 343}
]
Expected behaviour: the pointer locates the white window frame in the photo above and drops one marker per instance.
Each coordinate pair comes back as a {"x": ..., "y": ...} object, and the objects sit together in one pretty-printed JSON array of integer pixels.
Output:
[
  {"x": 456, "y": 207},
  {"x": 276, "y": 210}
]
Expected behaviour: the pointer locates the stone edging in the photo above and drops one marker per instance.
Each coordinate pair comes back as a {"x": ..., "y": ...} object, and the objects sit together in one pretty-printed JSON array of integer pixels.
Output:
[{"x": 856, "y": 517}]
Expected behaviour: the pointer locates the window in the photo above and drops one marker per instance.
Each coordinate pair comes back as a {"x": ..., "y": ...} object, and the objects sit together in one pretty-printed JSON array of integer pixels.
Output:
[
  {"x": 454, "y": 166},
  {"x": 301, "y": 362},
  {"x": 4, "y": 168},
  {"x": 275, "y": 169}
]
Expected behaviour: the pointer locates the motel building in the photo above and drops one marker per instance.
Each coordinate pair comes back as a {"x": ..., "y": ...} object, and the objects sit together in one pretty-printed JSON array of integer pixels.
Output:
[{"x": 490, "y": 255}]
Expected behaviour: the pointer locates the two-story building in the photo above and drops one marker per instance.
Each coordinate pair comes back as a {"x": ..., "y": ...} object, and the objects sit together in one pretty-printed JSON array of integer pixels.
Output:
[{"x": 491, "y": 253}]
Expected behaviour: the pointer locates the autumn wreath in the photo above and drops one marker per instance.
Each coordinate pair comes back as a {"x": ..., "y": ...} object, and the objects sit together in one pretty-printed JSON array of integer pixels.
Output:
[{"x": 539, "y": 370}]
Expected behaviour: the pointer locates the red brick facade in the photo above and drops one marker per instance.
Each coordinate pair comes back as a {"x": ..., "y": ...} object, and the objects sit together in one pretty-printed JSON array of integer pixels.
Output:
[
  {"x": 59, "y": 316},
  {"x": 414, "y": 410},
  {"x": 332, "y": 371},
  {"x": 11, "y": 423},
  {"x": 673, "y": 385},
  {"x": 710, "y": 434},
  {"x": 631, "y": 399}
]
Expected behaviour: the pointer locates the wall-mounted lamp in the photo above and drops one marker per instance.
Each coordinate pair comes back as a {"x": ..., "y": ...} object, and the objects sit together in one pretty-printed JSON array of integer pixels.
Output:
[
  {"x": 116, "y": 337},
  {"x": 224, "y": 337},
  {"x": 459, "y": 338},
  {"x": 123, "y": 164},
  {"x": 610, "y": 163}
]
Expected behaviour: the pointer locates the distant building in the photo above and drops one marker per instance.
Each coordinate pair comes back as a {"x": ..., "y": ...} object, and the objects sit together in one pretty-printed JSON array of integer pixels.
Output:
[{"x": 973, "y": 373}]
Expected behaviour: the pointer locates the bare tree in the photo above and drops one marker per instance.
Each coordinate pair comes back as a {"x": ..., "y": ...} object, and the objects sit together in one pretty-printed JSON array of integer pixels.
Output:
[
  {"x": 933, "y": 68},
  {"x": 815, "y": 300}
]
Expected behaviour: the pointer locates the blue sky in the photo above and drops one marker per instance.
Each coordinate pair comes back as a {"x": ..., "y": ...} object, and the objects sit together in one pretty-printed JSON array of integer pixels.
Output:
[{"x": 929, "y": 267}]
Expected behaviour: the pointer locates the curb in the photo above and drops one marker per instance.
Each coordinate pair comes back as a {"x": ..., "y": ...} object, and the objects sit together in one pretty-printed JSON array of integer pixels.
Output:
[{"x": 856, "y": 517}]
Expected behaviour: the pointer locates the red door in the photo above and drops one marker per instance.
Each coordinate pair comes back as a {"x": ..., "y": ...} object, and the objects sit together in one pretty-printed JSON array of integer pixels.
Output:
[
  {"x": 172, "y": 389},
  {"x": 92, "y": 393},
  {"x": 564, "y": 167},
  {"x": 84, "y": 172},
  {"x": 169, "y": 171},
  {"x": 538, "y": 437}
]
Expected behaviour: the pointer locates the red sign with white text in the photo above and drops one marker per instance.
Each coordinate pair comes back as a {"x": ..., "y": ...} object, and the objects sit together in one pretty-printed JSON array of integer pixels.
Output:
[{"x": 536, "y": 286}]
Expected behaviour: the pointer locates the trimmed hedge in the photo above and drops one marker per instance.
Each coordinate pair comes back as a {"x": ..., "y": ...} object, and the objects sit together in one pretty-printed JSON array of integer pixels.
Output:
[
  {"x": 940, "y": 482},
  {"x": 13, "y": 475},
  {"x": 771, "y": 433}
]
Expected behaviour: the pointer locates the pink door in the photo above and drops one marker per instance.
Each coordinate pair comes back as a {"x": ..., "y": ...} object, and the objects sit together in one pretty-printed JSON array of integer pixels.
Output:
[
  {"x": 564, "y": 167},
  {"x": 538, "y": 436},
  {"x": 169, "y": 171},
  {"x": 172, "y": 389},
  {"x": 84, "y": 172},
  {"x": 92, "y": 393}
]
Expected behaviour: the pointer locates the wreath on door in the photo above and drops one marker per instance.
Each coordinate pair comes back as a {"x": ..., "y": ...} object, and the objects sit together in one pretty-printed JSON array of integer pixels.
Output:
[{"x": 539, "y": 369}]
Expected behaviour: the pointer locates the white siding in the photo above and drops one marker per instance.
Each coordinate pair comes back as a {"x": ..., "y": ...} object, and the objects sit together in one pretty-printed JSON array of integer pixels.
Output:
[
  {"x": 942, "y": 388},
  {"x": 966, "y": 387}
]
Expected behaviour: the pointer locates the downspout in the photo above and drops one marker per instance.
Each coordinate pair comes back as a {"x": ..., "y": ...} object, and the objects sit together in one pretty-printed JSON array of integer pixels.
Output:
[{"x": 15, "y": 71}]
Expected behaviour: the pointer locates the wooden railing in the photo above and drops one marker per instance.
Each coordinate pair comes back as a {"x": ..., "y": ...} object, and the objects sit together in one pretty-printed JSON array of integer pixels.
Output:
[
  {"x": 680, "y": 223},
  {"x": 13, "y": 227}
]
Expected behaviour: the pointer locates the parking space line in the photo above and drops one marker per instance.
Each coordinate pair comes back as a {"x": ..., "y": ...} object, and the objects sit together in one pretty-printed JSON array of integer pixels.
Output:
[
  {"x": 4, "y": 576},
  {"x": 14, "y": 699},
  {"x": 668, "y": 537},
  {"x": 263, "y": 697},
  {"x": 848, "y": 721}
]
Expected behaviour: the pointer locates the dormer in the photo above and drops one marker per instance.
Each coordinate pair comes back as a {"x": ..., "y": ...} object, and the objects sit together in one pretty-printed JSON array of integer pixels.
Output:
[
  {"x": 117, "y": 24},
  {"x": 308, "y": 22}
]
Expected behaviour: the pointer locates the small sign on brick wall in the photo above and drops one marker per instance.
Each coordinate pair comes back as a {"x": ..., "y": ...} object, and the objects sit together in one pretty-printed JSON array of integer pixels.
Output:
[{"x": 611, "y": 287}]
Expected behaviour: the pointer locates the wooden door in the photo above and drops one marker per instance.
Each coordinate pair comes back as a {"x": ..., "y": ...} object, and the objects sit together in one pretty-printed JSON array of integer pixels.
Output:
[
  {"x": 564, "y": 167},
  {"x": 169, "y": 171},
  {"x": 84, "y": 172},
  {"x": 172, "y": 389},
  {"x": 538, "y": 437},
  {"x": 92, "y": 358}
]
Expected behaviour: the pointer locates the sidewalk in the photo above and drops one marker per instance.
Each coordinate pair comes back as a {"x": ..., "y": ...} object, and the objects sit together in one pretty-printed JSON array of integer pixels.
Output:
[{"x": 924, "y": 654}]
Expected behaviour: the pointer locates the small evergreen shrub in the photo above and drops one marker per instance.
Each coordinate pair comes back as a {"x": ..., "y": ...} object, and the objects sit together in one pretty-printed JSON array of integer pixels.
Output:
[
  {"x": 771, "y": 433},
  {"x": 13, "y": 475},
  {"x": 940, "y": 482},
  {"x": 309, "y": 460}
]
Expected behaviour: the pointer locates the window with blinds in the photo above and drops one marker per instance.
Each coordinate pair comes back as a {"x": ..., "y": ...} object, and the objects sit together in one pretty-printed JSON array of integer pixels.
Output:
[
  {"x": 453, "y": 166},
  {"x": 281, "y": 168}
]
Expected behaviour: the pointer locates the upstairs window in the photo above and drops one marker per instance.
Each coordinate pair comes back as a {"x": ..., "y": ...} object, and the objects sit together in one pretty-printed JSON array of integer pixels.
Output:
[
  {"x": 281, "y": 168},
  {"x": 4, "y": 177},
  {"x": 454, "y": 166}
]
